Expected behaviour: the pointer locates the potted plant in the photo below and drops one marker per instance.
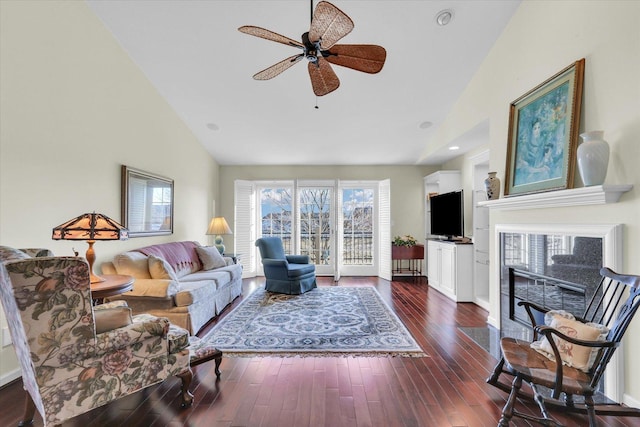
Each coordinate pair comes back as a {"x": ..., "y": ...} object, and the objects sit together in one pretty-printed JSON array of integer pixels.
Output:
[
  {"x": 406, "y": 247},
  {"x": 405, "y": 240}
]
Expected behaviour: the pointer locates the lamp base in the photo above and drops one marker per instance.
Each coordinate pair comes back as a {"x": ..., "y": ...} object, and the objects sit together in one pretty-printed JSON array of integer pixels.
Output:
[
  {"x": 91, "y": 258},
  {"x": 219, "y": 244}
]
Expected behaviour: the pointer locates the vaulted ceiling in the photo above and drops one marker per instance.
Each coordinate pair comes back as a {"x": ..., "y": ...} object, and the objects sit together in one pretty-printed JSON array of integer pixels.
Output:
[{"x": 192, "y": 52}]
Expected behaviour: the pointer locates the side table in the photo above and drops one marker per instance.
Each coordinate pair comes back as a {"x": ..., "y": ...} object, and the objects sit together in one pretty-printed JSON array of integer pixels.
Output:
[
  {"x": 234, "y": 257},
  {"x": 114, "y": 284}
]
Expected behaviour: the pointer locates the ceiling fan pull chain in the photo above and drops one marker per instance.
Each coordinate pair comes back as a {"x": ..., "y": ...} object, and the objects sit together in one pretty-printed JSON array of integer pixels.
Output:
[{"x": 316, "y": 107}]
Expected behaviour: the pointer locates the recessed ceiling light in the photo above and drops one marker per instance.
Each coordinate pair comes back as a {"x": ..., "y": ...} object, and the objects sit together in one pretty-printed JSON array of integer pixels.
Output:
[
  {"x": 444, "y": 17},
  {"x": 425, "y": 125},
  {"x": 213, "y": 126},
  {"x": 454, "y": 147}
]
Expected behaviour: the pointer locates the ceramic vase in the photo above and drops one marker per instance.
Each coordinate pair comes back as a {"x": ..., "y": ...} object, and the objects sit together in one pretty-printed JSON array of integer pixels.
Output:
[
  {"x": 593, "y": 158},
  {"x": 492, "y": 185}
]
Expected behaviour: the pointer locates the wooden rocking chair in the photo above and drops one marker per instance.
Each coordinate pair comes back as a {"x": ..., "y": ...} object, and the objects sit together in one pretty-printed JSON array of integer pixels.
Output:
[{"x": 613, "y": 304}]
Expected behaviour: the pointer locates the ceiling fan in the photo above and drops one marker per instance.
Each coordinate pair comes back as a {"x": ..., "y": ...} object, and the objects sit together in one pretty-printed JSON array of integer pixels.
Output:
[{"x": 328, "y": 25}]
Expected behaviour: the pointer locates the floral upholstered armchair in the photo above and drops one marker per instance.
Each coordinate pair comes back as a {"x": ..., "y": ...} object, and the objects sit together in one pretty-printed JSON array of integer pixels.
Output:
[{"x": 74, "y": 356}]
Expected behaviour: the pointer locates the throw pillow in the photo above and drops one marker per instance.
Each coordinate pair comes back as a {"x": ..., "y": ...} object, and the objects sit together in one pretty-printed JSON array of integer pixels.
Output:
[
  {"x": 210, "y": 257},
  {"x": 577, "y": 356},
  {"x": 160, "y": 269},
  {"x": 109, "y": 319}
]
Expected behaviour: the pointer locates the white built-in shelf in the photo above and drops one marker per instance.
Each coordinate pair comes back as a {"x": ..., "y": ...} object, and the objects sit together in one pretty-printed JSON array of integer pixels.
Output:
[{"x": 594, "y": 195}]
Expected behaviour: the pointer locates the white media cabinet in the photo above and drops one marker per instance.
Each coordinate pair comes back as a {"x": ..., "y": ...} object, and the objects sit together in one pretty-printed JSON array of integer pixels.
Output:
[{"x": 450, "y": 269}]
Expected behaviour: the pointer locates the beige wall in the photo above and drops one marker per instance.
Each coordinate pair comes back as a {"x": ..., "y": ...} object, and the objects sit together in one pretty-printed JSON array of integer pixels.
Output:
[
  {"x": 73, "y": 109},
  {"x": 406, "y": 188},
  {"x": 542, "y": 38}
]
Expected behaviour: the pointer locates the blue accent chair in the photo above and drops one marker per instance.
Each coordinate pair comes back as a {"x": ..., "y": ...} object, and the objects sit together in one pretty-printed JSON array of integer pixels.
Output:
[{"x": 285, "y": 274}]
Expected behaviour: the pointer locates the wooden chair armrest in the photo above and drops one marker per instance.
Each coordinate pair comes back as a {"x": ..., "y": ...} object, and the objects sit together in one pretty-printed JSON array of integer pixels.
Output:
[
  {"x": 528, "y": 306},
  {"x": 548, "y": 331}
]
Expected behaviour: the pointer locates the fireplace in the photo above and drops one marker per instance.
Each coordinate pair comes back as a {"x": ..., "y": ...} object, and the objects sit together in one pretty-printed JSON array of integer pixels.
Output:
[{"x": 568, "y": 257}]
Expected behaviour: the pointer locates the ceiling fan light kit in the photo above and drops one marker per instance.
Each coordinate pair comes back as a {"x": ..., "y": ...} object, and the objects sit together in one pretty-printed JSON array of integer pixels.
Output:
[{"x": 328, "y": 25}]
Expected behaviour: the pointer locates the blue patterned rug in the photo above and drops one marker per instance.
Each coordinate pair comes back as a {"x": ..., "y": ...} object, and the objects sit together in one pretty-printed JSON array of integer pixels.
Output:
[{"x": 326, "y": 321}]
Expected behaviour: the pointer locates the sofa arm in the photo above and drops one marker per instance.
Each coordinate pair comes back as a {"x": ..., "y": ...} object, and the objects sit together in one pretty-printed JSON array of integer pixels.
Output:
[
  {"x": 159, "y": 288},
  {"x": 298, "y": 259},
  {"x": 108, "y": 268}
]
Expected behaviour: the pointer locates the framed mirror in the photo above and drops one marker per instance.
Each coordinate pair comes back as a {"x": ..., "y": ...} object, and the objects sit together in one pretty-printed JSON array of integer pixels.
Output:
[{"x": 147, "y": 203}]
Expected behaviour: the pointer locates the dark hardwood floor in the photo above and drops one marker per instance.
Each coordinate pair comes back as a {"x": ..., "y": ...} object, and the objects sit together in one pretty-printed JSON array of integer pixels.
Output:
[{"x": 445, "y": 389}]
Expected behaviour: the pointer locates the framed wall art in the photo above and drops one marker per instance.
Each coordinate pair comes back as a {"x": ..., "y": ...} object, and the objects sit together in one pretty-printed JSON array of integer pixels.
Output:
[
  {"x": 543, "y": 134},
  {"x": 147, "y": 203}
]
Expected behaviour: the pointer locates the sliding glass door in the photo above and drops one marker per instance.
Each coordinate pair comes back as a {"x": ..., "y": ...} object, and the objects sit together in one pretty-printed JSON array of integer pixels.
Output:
[
  {"x": 316, "y": 224},
  {"x": 339, "y": 224},
  {"x": 358, "y": 213}
]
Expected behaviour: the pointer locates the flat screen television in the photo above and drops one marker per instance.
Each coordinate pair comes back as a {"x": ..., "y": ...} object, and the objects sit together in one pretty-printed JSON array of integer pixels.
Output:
[{"x": 447, "y": 214}]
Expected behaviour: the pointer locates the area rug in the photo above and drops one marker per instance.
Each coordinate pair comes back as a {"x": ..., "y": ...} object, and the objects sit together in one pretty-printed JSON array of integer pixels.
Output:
[{"x": 326, "y": 321}]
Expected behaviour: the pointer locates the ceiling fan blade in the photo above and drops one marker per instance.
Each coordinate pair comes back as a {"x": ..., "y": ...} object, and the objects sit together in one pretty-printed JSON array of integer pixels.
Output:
[
  {"x": 329, "y": 24},
  {"x": 269, "y": 35},
  {"x": 275, "y": 69},
  {"x": 368, "y": 58},
  {"x": 323, "y": 79}
]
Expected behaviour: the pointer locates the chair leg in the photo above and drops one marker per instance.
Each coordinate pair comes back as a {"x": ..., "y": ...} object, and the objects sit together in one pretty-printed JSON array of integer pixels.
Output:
[
  {"x": 218, "y": 362},
  {"x": 507, "y": 411},
  {"x": 493, "y": 379},
  {"x": 187, "y": 397},
  {"x": 29, "y": 411},
  {"x": 591, "y": 410},
  {"x": 539, "y": 399}
]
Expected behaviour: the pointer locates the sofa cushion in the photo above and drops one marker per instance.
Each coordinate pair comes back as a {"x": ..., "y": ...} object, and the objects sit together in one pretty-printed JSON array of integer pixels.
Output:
[
  {"x": 219, "y": 275},
  {"x": 210, "y": 257},
  {"x": 234, "y": 269},
  {"x": 181, "y": 256},
  {"x": 297, "y": 270},
  {"x": 132, "y": 264},
  {"x": 203, "y": 290},
  {"x": 160, "y": 269}
]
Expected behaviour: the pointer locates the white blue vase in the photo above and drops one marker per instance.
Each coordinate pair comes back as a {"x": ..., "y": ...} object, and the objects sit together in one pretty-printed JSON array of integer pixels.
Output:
[
  {"x": 492, "y": 185},
  {"x": 593, "y": 158}
]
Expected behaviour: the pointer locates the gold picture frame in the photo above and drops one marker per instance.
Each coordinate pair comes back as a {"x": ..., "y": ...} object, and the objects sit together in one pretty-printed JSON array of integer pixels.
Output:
[{"x": 543, "y": 134}]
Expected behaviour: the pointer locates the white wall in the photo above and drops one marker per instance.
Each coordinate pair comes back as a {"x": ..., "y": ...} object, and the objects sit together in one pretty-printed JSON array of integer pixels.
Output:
[
  {"x": 73, "y": 109},
  {"x": 542, "y": 38}
]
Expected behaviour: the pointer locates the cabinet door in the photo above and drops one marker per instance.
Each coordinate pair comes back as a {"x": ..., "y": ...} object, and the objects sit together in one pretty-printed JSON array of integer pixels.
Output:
[
  {"x": 433, "y": 266},
  {"x": 448, "y": 268}
]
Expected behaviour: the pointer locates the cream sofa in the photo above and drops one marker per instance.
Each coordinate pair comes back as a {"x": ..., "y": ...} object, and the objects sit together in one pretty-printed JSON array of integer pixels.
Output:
[{"x": 188, "y": 283}]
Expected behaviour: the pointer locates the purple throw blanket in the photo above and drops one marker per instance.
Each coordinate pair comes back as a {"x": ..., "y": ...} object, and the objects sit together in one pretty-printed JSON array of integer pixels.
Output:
[{"x": 182, "y": 256}]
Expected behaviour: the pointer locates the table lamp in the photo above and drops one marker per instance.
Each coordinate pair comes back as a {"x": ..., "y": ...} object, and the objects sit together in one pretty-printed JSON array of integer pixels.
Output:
[
  {"x": 91, "y": 227},
  {"x": 219, "y": 226}
]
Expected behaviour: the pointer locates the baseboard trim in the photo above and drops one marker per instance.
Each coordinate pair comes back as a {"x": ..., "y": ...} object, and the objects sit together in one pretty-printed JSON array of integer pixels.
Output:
[
  {"x": 630, "y": 401},
  {"x": 10, "y": 377}
]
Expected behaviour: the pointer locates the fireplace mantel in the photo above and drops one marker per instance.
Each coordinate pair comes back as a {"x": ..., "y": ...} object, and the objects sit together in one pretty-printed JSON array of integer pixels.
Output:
[{"x": 594, "y": 195}]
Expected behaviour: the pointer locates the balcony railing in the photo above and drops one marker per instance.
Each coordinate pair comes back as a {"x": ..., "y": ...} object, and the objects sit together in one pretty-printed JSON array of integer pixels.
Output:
[{"x": 357, "y": 248}]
